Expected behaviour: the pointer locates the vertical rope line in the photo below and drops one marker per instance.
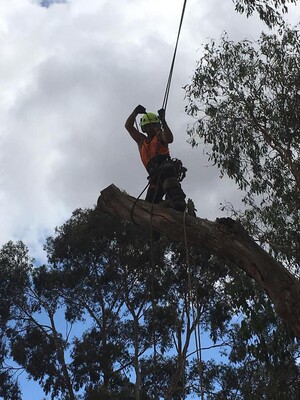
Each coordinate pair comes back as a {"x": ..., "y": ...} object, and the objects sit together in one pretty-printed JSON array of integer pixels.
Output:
[
  {"x": 199, "y": 357},
  {"x": 153, "y": 300},
  {"x": 166, "y": 96},
  {"x": 196, "y": 318}
]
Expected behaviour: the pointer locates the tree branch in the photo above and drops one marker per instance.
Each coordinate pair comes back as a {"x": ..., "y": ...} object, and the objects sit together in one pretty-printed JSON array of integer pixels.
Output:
[{"x": 224, "y": 238}]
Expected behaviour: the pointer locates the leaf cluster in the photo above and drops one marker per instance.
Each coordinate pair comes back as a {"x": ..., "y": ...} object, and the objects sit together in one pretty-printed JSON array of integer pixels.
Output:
[
  {"x": 246, "y": 99},
  {"x": 104, "y": 321},
  {"x": 269, "y": 11}
]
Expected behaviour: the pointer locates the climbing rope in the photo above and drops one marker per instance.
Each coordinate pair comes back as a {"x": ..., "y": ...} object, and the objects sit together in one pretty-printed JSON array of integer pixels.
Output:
[
  {"x": 152, "y": 262},
  {"x": 195, "y": 315},
  {"x": 136, "y": 200},
  {"x": 167, "y": 91}
]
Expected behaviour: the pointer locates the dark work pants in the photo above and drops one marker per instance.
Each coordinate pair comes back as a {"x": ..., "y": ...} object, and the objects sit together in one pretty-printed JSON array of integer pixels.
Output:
[{"x": 164, "y": 169}]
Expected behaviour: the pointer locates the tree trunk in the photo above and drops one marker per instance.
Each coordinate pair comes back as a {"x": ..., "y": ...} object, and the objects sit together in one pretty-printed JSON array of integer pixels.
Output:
[
  {"x": 61, "y": 358},
  {"x": 224, "y": 238}
]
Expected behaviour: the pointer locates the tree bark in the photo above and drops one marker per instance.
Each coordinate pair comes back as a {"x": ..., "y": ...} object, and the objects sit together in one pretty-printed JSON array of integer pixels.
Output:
[{"x": 224, "y": 238}]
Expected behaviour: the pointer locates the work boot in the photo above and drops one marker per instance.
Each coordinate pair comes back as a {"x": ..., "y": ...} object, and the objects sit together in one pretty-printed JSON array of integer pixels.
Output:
[{"x": 178, "y": 205}]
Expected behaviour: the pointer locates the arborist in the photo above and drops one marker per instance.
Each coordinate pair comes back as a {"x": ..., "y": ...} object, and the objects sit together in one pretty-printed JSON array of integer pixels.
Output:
[{"x": 164, "y": 173}]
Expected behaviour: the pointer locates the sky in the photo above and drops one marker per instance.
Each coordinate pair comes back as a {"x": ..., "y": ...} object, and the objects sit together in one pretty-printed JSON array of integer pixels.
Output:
[{"x": 70, "y": 74}]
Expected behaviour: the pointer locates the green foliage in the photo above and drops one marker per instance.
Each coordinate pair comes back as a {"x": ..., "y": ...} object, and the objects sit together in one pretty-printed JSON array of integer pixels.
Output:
[
  {"x": 270, "y": 11},
  {"x": 103, "y": 321},
  {"x": 9, "y": 389},
  {"x": 246, "y": 99},
  {"x": 15, "y": 266}
]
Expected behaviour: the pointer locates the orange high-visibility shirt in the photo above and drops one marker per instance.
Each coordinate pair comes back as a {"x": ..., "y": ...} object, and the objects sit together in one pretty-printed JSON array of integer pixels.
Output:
[{"x": 155, "y": 147}]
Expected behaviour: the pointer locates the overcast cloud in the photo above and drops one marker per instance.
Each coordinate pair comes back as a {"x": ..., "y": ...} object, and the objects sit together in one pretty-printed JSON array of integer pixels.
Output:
[{"x": 70, "y": 74}]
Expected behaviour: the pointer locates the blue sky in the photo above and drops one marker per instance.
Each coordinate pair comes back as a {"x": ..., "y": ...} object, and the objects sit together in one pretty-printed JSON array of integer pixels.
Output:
[{"x": 70, "y": 74}]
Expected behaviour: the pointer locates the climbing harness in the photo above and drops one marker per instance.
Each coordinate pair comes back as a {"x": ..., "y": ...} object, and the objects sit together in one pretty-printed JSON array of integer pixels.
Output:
[{"x": 179, "y": 168}]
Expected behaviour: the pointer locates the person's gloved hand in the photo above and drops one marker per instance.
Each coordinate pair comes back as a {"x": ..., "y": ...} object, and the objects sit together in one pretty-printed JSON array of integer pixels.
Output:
[
  {"x": 140, "y": 109},
  {"x": 162, "y": 114}
]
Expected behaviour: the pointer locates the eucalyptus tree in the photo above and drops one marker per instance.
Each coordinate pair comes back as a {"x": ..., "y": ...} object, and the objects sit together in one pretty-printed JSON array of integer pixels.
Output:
[
  {"x": 104, "y": 321},
  {"x": 245, "y": 100},
  {"x": 270, "y": 11},
  {"x": 136, "y": 301},
  {"x": 30, "y": 343}
]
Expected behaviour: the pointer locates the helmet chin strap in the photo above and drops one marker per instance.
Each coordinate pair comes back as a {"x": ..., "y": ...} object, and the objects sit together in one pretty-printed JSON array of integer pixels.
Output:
[{"x": 151, "y": 130}]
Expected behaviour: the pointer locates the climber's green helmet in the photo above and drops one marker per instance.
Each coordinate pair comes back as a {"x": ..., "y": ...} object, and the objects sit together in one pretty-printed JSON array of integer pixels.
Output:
[{"x": 149, "y": 118}]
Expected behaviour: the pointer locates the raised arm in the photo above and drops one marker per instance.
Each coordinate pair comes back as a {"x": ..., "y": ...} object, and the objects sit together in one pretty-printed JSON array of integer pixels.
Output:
[
  {"x": 166, "y": 134},
  {"x": 129, "y": 124}
]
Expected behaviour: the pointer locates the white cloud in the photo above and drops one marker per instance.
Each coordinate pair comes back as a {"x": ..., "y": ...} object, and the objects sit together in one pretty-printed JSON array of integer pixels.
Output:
[{"x": 69, "y": 76}]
